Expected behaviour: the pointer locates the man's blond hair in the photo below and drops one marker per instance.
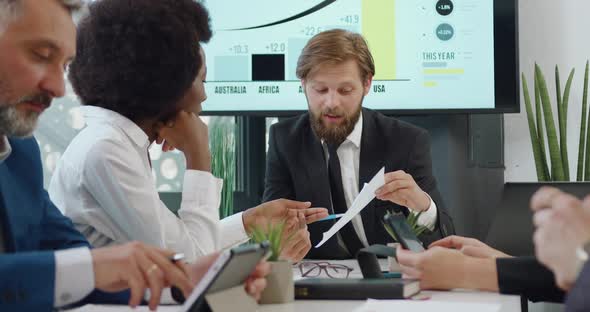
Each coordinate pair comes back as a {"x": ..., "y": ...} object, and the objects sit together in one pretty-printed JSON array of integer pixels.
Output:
[{"x": 334, "y": 47}]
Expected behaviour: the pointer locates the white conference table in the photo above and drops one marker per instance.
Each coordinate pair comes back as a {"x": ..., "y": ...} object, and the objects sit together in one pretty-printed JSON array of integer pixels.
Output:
[{"x": 443, "y": 300}]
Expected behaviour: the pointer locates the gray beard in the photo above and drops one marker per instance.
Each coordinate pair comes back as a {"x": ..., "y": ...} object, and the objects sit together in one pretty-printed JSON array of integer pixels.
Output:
[{"x": 12, "y": 124}]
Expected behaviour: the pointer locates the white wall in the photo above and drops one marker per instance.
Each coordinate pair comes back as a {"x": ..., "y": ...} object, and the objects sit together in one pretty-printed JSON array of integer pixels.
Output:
[{"x": 551, "y": 33}]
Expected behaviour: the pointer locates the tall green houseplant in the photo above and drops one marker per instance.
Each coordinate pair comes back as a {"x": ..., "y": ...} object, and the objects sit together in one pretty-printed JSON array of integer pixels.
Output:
[
  {"x": 223, "y": 160},
  {"x": 542, "y": 127}
]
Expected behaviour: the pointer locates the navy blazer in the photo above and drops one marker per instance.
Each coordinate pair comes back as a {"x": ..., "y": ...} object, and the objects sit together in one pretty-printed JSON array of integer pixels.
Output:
[
  {"x": 296, "y": 169},
  {"x": 33, "y": 229}
]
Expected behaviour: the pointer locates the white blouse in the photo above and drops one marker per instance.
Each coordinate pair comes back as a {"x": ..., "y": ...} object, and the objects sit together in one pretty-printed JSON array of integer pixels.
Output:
[{"x": 104, "y": 183}]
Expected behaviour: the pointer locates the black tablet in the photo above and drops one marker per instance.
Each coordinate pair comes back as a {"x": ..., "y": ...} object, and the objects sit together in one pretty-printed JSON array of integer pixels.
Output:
[{"x": 231, "y": 269}]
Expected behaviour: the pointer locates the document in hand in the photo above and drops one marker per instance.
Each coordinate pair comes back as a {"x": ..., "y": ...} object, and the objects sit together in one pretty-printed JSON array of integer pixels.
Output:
[{"x": 361, "y": 201}]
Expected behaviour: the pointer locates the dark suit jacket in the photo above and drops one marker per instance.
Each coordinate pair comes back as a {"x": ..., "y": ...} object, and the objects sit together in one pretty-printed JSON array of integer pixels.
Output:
[
  {"x": 578, "y": 298},
  {"x": 527, "y": 277},
  {"x": 33, "y": 229},
  {"x": 296, "y": 169}
]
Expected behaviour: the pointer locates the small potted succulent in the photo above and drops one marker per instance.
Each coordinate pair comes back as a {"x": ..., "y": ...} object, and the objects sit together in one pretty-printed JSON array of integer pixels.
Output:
[
  {"x": 412, "y": 220},
  {"x": 280, "y": 286}
]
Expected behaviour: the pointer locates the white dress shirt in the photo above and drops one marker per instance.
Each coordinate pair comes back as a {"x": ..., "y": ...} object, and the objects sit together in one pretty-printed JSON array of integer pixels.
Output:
[
  {"x": 74, "y": 274},
  {"x": 104, "y": 183},
  {"x": 5, "y": 149},
  {"x": 349, "y": 155}
]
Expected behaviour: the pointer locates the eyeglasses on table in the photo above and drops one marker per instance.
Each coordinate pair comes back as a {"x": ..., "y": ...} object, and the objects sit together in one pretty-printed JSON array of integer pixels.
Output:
[{"x": 333, "y": 270}]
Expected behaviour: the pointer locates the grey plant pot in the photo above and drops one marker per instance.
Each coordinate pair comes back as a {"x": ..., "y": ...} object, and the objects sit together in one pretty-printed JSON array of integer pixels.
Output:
[{"x": 280, "y": 287}]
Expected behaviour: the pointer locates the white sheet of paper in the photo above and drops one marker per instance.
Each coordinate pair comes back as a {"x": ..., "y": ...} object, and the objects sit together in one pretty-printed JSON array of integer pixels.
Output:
[
  {"x": 426, "y": 306},
  {"x": 361, "y": 201}
]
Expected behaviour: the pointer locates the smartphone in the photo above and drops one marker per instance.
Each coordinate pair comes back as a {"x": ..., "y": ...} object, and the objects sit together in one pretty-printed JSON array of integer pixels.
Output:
[
  {"x": 231, "y": 269},
  {"x": 403, "y": 232}
]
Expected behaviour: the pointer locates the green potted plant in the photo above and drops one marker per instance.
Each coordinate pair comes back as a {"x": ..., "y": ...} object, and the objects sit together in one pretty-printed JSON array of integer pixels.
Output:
[
  {"x": 223, "y": 165},
  {"x": 280, "y": 286},
  {"x": 555, "y": 165},
  {"x": 223, "y": 160},
  {"x": 412, "y": 220},
  {"x": 548, "y": 134}
]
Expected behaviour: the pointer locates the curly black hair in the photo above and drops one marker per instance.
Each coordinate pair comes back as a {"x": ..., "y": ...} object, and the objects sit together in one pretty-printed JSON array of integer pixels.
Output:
[{"x": 138, "y": 57}]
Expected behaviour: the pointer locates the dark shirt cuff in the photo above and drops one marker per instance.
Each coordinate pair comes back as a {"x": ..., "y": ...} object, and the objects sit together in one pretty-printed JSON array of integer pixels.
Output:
[{"x": 527, "y": 277}]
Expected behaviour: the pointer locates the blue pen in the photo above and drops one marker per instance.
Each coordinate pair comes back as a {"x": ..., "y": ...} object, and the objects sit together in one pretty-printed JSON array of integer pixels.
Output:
[{"x": 331, "y": 217}]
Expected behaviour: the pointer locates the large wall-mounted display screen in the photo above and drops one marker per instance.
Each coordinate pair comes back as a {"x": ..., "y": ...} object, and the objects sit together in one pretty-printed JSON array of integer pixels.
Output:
[{"x": 430, "y": 55}]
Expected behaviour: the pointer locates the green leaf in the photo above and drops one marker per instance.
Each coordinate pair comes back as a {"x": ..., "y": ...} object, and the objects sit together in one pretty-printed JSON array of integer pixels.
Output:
[
  {"x": 539, "y": 162},
  {"x": 560, "y": 114},
  {"x": 540, "y": 131},
  {"x": 581, "y": 143},
  {"x": 411, "y": 219},
  {"x": 563, "y": 125},
  {"x": 554, "y": 153},
  {"x": 584, "y": 165},
  {"x": 273, "y": 233}
]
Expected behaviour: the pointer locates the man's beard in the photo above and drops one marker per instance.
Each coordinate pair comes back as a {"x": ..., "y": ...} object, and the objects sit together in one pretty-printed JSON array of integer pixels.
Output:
[
  {"x": 17, "y": 124},
  {"x": 12, "y": 124},
  {"x": 336, "y": 134}
]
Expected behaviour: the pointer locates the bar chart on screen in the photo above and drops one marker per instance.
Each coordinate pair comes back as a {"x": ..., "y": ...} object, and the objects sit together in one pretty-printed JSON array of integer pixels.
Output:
[{"x": 427, "y": 54}]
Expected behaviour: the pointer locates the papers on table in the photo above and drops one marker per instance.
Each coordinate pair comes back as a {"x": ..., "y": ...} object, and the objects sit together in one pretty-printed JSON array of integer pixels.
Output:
[
  {"x": 361, "y": 201},
  {"x": 426, "y": 306}
]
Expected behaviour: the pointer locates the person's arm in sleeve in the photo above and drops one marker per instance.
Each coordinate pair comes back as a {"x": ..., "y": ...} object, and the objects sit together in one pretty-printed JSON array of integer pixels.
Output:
[
  {"x": 74, "y": 275},
  {"x": 43, "y": 280},
  {"x": 126, "y": 191},
  {"x": 233, "y": 231},
  {"x": 429, "y": 217},
  {"x": 203, "y": 188},
  {"x": 59, "y": 274},
  {"x": 28, "y": 281},
  {"x": 527, "y": 277}
]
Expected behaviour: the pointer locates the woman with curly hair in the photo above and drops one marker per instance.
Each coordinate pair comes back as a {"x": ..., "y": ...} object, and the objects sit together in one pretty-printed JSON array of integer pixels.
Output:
[{"x": 139, "y": 73}]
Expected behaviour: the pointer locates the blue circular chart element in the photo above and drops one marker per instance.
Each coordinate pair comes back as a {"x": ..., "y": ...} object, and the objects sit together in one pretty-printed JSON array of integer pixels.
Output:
[{"x": 445, "y": 32}]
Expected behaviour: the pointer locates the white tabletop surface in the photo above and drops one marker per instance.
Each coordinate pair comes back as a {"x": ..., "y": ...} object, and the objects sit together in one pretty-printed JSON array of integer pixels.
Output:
[{"x": 504, "y": 302}]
